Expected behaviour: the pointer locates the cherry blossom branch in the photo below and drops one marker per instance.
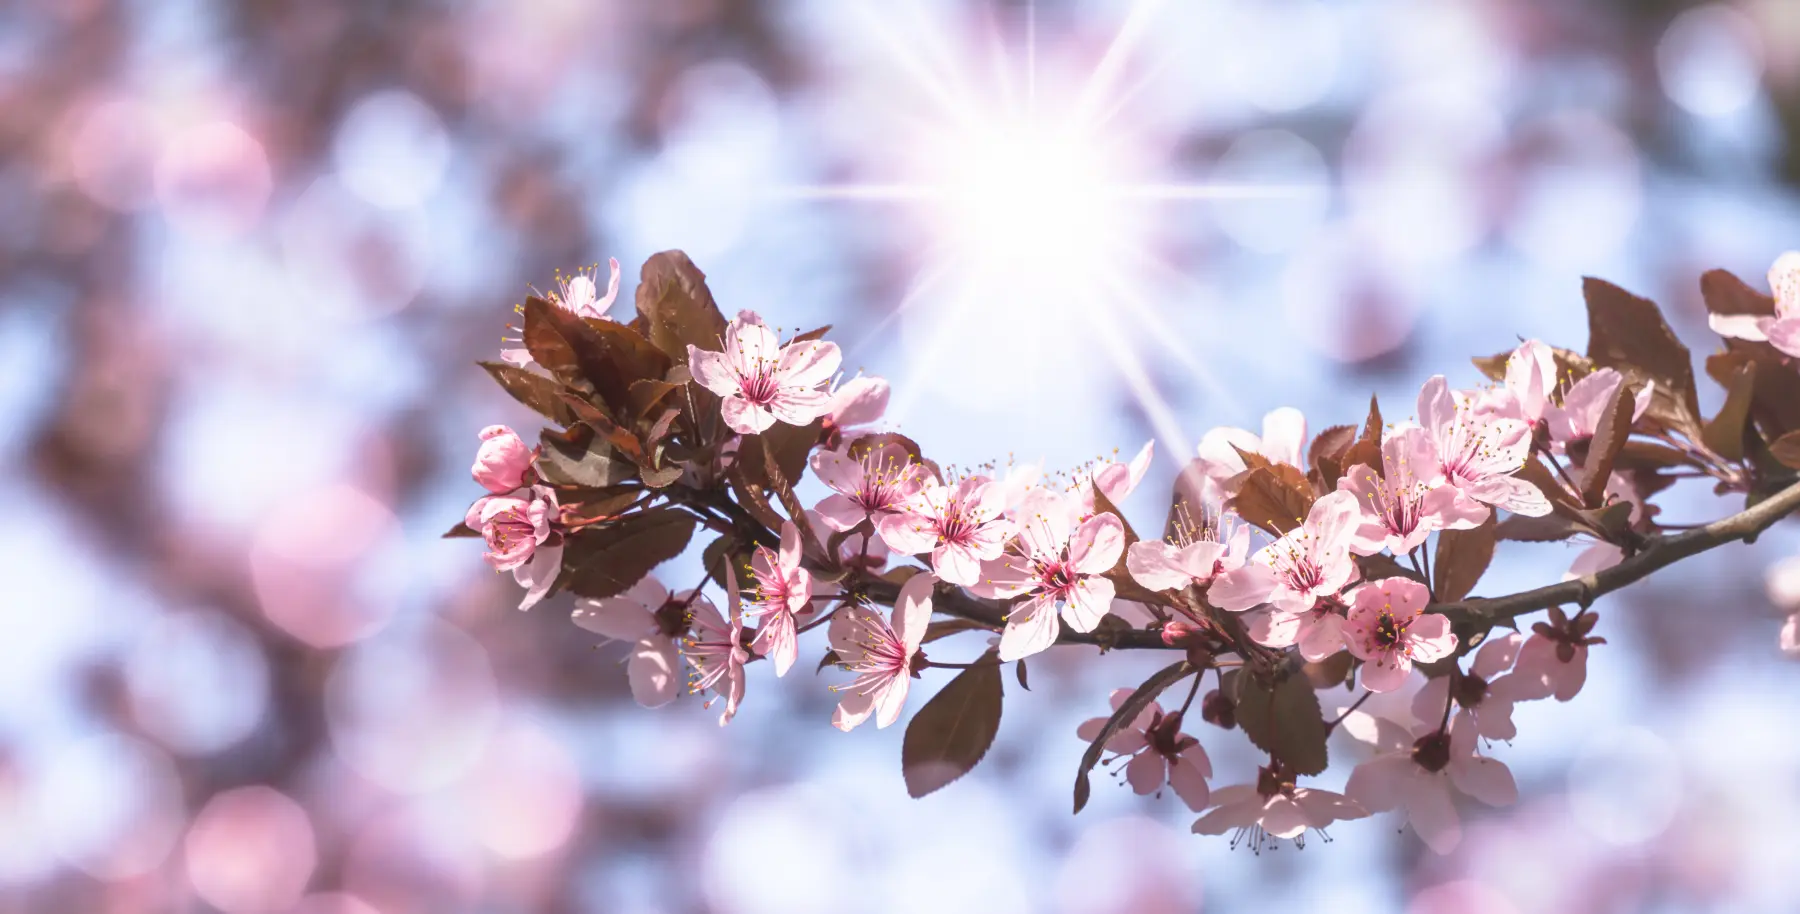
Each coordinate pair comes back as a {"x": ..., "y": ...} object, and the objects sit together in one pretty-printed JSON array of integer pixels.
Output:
[{"x": 1658, "y": 552}]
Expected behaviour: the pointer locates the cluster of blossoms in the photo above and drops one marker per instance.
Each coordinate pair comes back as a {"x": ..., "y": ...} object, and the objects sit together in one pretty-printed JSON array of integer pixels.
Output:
[{"x": 1295, "y": 572}]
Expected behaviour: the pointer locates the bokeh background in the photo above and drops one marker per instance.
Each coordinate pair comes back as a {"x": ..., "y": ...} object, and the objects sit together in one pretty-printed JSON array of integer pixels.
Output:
[{"x": 250, "y": 252}]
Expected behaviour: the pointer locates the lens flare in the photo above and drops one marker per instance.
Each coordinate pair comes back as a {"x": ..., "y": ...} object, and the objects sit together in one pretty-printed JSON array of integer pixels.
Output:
[{"x": 1037, "y": 201}]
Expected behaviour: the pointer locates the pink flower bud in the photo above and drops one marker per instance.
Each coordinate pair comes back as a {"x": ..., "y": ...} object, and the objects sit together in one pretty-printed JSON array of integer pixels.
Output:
[{"x": 501, "y": 463}]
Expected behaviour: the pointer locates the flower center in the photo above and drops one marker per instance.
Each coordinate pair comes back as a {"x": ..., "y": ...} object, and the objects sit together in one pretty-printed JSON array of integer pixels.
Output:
[
  {"x": 1057, "y": 579},
  {"x": 760, "y": 387},
  {"x": 673, "y": 618},
  {"x": 1432, "y": 751},
  {"x": 1389, "y": 631}
]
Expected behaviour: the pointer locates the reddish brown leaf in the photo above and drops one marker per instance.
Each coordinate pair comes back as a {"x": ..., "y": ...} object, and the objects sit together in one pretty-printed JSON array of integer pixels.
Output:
[
  {"x": 532, "y": 389},
  {"x": 1628, "y": 333},
  {"x": 1727, "y": 294},
  {"x": 1787, "y": 450},
  {"x": 1275, "y": 498},
  {"x": 949, "y": 735},
  {"x": 1123, "y": 715},
  {"x": 677, "y": 307},
  {"x": 1724, "y": 433},
  {"x": 1609, "y": 438},
  {"x": 1280, "y": 713},
  {"x": 606, "y": 560},
  {"x": 1462, "y": 558}
]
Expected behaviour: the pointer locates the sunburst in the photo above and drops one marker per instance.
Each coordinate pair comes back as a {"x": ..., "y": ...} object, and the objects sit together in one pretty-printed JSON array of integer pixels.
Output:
[{"x": 1041, "y": 202}]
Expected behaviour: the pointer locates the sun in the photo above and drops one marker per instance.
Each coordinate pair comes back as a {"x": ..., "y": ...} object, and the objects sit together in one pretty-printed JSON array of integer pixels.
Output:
[{"x": 1041, "y": 207}]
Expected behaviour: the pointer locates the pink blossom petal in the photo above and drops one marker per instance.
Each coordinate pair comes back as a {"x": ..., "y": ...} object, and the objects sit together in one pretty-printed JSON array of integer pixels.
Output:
[
  {"x": 796, "y": 406},
  {"x": 1784, "y": 335},
  {"x": 1238, "y": 807},
  {"x": 1497, "y": 654},
  {"x": 616, "y": 618},
  {"x": 537, "y": 575},
  {"x": 956, "y": 564},
  {"x": 840, "y": 513},
  {"x": 776, "y": 640},
  {"x": 859, "y": 401},
  {"x": 1382, "y": 782},
  {"x": 1157, "y": 565},
  {"x": 837, "y": 471},
  {"x": 912, "y": 611},
  {"x": 1146, "y": 772},
  {"x": 1031, "y": 628},
  {"x": 1790, "y": 636},
  {"x": 1097, "y": 545},
  {"x": 1510, "y": 493},
  {"x": 1284, "y": 434},
  {"x": 1273, "y": 627},
  {"x": 1431, "y": 638},
  {"x": 1437, "y": 407},
  {"x": 852, "y": 709},
  {"x": 1322, "y": 636},
  {"x": 1432, "y": 814},
  {"x": 1241, "y": 588},
  {"x": 745, "y": 418},
  {"x": 1386, "y": 673},
  {"x": 1428, "y": 703},
  {"x": 808, "y": 364},
  {"x": 654, "y": 672},
  {"x": 1485, "y": 779},
  {"x": 1189, "y": 783},
  {"x": 713, "y": 371},
  {"x": 1283, "y": 818},
  {"x": 1089, "y": 601},
  {"x": 890, "y": 700},
  {"x": 907, "y": 533}
]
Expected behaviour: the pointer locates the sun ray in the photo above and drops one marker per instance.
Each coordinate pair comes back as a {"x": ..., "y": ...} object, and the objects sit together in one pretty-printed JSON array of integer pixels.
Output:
[{"x": 1106, "y": 73}]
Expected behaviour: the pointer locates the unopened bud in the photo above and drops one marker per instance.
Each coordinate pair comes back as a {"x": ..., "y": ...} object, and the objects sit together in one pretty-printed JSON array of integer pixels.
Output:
[{"x": 1218, "y": 710}]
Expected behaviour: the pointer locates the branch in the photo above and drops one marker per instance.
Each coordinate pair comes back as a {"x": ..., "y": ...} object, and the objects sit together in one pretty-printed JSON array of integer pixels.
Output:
[
  {"x": 956, "y": 602},
  {"x": 1658, "y": 552}
]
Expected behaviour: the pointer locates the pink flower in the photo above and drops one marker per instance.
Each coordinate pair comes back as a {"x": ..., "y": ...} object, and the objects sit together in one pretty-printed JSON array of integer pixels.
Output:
[
  {"x": 763, "y": 381},
  {"x": 1783, "y": 584},
  {"x": 1416, "y": 775},
  {"x": 1410, "y": 500},
  {"x": 1530, "y": 384},
  {"x": 715, "y": 649},
  {"x": 861, "y": 550},
  {"x": 1117, "y": 480},
  {"x": 1782, "y": 330},
  {"x": 1579, "y": 415},
  {"x": 1160, "y": 753},
  {"x": 1484, "y": 697},
  {"x": 1216, "y": 556},
  {"x": 870, "y": 488},
  {"x": 881, "y": 652},
  {"x": 1389, "y": 630},
  {"x": 961, "y": 526},
  {"x": 1553, "y": 661},
  {"x": 1058, "y": 563},
  {"x": 501, "y": 462},
  {"x": 857, "y": 402},
  {"x": 1283, "y": 441},
  {"x": 654, "y": 620},
  {"x": 1273, "y": 809},
  {"x": 783, "y": 590},
  {"x": 518, "y": 527},
  {"x": 577, "y": 294},
  {"x": 1479, "y": 451},
  {"x": 1312, "y": 560},
  {"x": 1318, "y": 631}
]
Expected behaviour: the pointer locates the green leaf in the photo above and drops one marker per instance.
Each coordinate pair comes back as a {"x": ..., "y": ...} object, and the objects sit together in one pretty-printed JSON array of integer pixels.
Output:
[
  {"x": 606, "y": 560},
  {"x": 677, "y": 306},
  {"x": 532, "y": 389},
  {"x": 1280, "y": 713},
  {"x": 1125, "y": 714},
  {"x": 952, "y": 732},
  {"x": 1462, "y": 558}
]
